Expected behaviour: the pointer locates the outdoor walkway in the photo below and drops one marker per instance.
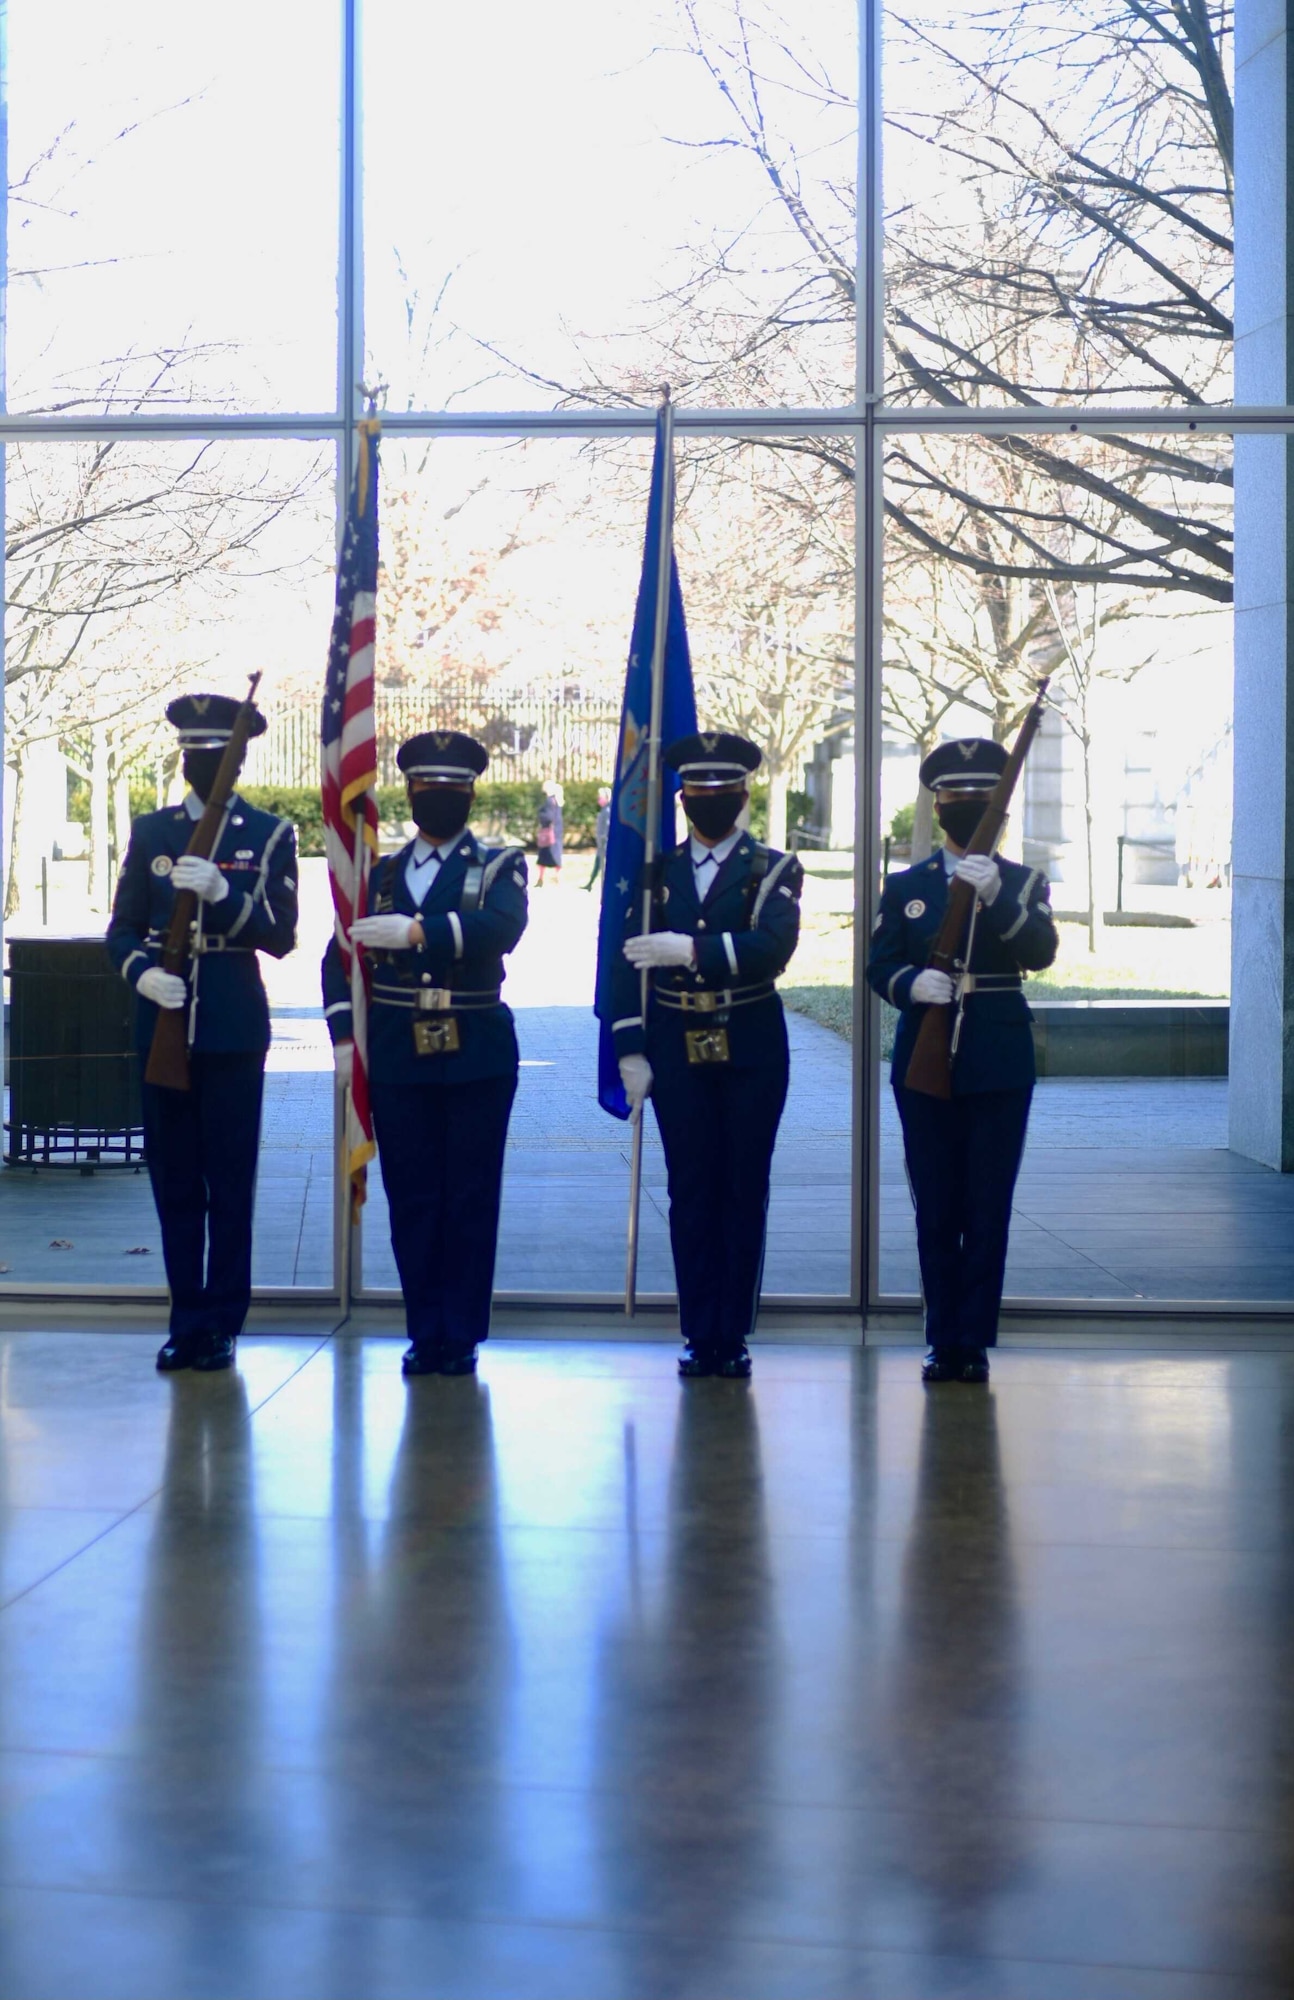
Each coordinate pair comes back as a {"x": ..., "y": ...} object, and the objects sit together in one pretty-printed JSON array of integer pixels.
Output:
[
  {"x": 577, "y": 1683},
  {"x": 1128, "y": 1190}
]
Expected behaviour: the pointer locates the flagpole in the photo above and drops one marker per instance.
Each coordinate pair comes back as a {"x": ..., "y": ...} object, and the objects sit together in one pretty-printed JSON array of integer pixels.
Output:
[
  {"x": 366, "y": 430},
  {"x": 660, "y": 632}
]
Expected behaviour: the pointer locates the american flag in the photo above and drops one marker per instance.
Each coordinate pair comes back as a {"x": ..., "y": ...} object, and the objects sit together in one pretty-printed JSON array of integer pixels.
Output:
[{"x": 349, "y": 739}]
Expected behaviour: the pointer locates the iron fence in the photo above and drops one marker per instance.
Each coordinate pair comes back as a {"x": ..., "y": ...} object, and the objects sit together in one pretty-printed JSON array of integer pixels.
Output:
[{"x": 531, "y": 733}]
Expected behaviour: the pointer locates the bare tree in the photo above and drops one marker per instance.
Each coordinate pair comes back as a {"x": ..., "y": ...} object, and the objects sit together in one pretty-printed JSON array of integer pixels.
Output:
[
  {"x": 768, "y": 586},
  {"x": 120, "y": 557}
]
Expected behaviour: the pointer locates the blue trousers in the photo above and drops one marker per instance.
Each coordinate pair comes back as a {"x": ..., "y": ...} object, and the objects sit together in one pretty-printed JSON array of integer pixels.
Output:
[
  {"x": 441, "y": 1151},
  {"x": 963, "y": 1155},
  {"x": 201, "y": 1145},
  {"x": 718, "y": 1126}
]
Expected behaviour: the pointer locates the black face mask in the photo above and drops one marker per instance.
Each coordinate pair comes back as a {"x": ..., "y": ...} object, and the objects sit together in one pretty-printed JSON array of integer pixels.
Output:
[
  {"x": 200, "y": 767},
  {"x": 959, "y": 818},
  {"x": 714, "y": 814},
  {"x": 439, "y": 810}
]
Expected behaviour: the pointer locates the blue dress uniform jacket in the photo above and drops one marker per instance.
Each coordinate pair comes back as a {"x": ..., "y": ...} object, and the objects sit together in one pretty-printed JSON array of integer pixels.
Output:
[
  {"x": 256, "y": 853},
  {"x": 1014, "y": 934},
  {"x": 202, "y": 1144},
  {"x": 963, "y": 1153},
  {"x": 718, "y": 1120},
  {"x": 741, "y": 941},
  {"x": 463, "y": 955},
  {"x": 441, "y": 1121}
]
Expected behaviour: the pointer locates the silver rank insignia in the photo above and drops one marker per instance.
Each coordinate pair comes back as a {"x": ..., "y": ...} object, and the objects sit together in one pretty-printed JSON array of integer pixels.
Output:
[{"x": 916, "y": 908}]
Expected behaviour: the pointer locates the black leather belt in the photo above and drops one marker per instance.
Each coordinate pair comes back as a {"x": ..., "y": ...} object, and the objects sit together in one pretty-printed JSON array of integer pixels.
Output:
[
  {"x": 437, "y": 999},
  {"x": 201, "y": 947},
  {"x": 713, "y": 1003}
]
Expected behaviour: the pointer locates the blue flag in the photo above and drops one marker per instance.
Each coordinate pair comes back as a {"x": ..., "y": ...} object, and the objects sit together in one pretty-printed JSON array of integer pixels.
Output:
[{"x": 622, "y": 882}]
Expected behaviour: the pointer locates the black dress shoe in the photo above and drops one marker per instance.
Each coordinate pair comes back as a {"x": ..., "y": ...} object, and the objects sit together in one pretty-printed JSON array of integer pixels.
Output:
[
  {"x": 213, "y": 1354},
  {"x": 459, "y": 1364},
  {"x": 955, "y": 1364},
  {"x": 696, "y": 1361},
  {"x": 177, "y": 1353},
  {"x": 734, "y": 1367},
  {"x": 420, "y": 1358}
]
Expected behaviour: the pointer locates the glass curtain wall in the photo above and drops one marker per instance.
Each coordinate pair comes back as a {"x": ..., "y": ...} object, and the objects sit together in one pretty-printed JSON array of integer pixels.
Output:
[{"x": 938, "y": 289}]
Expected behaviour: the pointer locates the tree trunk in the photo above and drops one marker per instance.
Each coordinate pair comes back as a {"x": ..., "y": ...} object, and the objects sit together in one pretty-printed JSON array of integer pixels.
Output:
[
  {"x": 120, "y": 807},
  {"x": 100, "y": 790},
  {"x": 12, "y": 892},
  {"x": 779, "y": 784},
  {"x": 1090, "y": 844}
]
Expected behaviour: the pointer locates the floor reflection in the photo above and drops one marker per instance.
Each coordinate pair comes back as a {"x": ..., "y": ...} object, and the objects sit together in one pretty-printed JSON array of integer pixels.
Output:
[
  {"x": 573, "y": 1681},
  {"x": 688, "y": 1694},
  {"x": 952, "y": 1727},
  {"x": 200, "y": 1717},
  {"x": 424, "y": 1662}
]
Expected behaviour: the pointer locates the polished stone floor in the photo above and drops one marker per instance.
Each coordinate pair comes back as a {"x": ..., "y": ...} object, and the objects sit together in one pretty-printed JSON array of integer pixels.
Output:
[{"x": 571, "y": 1681}]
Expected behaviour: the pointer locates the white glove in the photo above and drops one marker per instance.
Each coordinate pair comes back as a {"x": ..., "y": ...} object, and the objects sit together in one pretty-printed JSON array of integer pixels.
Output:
[
  {"x": 983, "y": 874},
  {"x": 390, "y": 933},
  {"x": 661, "y": 948},
  {"x": 164, "y": 989},
  {"x": 932, "y": 989},
  {"x": 202, "y": 877},
  {"x": 343, "y": 1062},
  {"x": 635, "y": 1075}
]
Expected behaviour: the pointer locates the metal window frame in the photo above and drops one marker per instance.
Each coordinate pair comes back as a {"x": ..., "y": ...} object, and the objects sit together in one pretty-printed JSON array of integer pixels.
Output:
[{"x": 867, "y": 420}]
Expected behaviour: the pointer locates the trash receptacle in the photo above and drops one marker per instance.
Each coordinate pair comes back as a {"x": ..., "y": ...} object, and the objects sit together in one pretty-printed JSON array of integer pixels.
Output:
[{"x": 74, "y": 1095}]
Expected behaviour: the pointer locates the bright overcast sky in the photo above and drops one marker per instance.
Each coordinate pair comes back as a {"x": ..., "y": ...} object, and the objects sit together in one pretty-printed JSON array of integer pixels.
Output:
[{"x": 522, "y": 154}]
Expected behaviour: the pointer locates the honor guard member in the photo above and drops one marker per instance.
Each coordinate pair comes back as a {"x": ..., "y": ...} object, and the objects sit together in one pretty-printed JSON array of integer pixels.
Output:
[
  {"x": 963, "y": 1152},
  {"x": 712, "y": 1050},
  {"x": 442, "y": 1051},
  {"x": 201, "y": 1144}
]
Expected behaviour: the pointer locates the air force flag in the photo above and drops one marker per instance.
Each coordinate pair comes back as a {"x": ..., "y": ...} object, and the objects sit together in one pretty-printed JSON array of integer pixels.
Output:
[{"x": 622, "y": 880}]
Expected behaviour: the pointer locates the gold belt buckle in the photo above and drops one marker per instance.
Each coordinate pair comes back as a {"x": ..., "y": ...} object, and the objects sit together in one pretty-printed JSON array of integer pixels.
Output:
[
  {"x": 434, "y": 999},
  {"x": 436, "y": 1038},
  {"x": 707, "y": 1045},
  {"x": 704, "y": 1003}
]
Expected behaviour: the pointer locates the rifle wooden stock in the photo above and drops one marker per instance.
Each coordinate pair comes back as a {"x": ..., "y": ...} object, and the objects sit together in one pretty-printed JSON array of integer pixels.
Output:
[
  {"x": 168, "y": 1054},
  {"x": 930, "y": 1066}
]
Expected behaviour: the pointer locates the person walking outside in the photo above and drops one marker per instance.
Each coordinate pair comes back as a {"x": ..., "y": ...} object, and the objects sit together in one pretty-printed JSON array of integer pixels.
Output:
[
  {"x": 601, "y": 833},
  {"x": 549, "y": 836}
]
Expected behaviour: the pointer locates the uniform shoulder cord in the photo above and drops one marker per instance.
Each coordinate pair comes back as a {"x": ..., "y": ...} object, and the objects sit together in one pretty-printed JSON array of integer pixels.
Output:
[
  {"x": 759, "y": 867},
  {"x": 471, "y": 897}
]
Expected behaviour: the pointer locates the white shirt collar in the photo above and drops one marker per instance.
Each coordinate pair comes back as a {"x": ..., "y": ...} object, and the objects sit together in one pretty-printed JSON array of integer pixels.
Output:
[
  {"x": 719, "y": 852},
  {"x": 195, "y": 808},
  {"x": 950, "y": 860},
  {"x": 423, "y": 849}
]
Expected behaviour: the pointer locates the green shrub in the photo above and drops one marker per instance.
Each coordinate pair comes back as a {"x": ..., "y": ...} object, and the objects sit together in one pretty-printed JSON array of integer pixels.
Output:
[
  {"x": 797, "y": 810},
  {"x": 502, "y": 811}
]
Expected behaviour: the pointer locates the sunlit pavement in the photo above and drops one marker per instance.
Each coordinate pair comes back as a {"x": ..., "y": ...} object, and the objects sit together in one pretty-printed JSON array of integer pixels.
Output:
[{"x": 1128, "y": 1190}]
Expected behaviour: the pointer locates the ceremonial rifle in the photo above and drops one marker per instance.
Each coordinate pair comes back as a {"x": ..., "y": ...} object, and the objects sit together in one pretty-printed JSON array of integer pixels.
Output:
[
  {"x": 930, "y": 1066},
  {"x": 168, "y": 1057}
]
